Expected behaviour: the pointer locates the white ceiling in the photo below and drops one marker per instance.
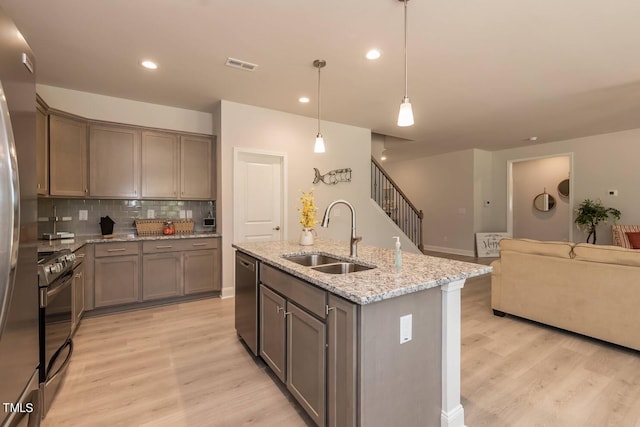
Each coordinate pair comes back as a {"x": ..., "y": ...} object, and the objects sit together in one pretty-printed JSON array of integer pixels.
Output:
[{"x": 485, "y": 74}]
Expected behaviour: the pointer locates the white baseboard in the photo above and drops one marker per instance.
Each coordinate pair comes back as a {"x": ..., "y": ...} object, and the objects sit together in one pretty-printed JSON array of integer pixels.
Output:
[{"x": 453, "y": 251}]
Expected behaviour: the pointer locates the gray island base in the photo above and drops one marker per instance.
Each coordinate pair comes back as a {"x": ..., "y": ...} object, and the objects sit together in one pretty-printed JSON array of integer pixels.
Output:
[{"x": 368, "y": 348}]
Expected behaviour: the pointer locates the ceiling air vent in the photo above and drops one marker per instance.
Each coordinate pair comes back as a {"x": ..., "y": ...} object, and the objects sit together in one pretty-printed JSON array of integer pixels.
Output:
[{"x": 243, "y": 65}]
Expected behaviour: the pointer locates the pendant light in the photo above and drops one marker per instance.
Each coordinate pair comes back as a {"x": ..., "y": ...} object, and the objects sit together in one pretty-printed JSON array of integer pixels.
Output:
[
  {"x": 319, "y": 145},
  {"x": 405, "y": 116}
]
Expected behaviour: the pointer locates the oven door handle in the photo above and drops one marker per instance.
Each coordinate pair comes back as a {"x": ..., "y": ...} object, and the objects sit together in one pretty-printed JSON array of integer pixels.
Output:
[
  {"x": 64, "y": 364},
  {"x": 48, "y": 293}
]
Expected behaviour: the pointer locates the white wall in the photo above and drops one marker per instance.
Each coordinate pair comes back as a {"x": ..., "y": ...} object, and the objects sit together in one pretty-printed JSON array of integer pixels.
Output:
[
  {"x": 257, "y": 128},
  {"x": 119, "y": 110},
  {"x": 443, "y": 188},
  {"x": 600, "y": 163},
  {"x": 530, "y": 178}
]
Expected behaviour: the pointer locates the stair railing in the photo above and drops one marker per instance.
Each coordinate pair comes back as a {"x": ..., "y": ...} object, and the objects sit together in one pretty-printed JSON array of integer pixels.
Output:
[{"x": 396, "y": 204}]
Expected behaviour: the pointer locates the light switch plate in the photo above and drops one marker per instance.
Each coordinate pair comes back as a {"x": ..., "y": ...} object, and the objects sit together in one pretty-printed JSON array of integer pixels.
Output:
[
  {"x": 83, "y": 215},
  {"x": 189, "y": 214},
  {"x": 151, "y": 214},
  {"x": 406, "y": 328},
  {"x": 182, "y": 214}
]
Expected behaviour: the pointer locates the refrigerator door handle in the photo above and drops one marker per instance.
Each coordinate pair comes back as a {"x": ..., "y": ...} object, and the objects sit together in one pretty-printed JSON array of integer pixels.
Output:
[{"x": 9, "y": 209}]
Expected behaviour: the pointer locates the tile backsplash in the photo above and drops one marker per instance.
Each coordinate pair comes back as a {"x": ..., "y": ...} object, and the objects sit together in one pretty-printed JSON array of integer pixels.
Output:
[{"x": 123, "y": 212}]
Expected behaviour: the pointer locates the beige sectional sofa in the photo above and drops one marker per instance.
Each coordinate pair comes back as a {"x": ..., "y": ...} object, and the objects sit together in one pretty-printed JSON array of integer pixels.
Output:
[{"x": 590, "y": 289}]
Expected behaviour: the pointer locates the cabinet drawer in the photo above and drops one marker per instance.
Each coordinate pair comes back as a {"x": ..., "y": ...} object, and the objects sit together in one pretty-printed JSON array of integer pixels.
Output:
[
  {"x": 306, "y": 295},
  {"x": 116, "y": 249},
  {"x": 160, "y": 246},
  {"x": 193, "y": 244}
]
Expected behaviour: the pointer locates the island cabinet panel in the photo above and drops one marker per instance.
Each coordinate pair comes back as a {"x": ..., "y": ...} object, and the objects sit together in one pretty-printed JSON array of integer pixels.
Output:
[
  {"x": 67, "y": 156},
  {"x": 342, "y": 350},
  {"x": 410, "y": 372},
  {"x": 305, "y": 379},
  {"x": 272, "y": 331},
  {"x": 114, "y": 161},
  {"x": 161, "y": 275},
  {"x": 196, "y": 158},
  {"x": 160, "y": 165},
  {"x": 42, "y": 150},
  {"x": 116, "y": 269}
]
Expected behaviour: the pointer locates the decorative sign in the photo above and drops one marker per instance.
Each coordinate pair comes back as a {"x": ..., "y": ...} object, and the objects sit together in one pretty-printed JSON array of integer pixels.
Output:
[
  {"x": 332, "y": 177},
  {"x": 488, "y": 244}
]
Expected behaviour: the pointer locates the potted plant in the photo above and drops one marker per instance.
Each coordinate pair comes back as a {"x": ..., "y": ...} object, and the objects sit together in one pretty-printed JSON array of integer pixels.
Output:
[
  {"x": 590, "y": 213},
  {"x": 308, "y": 217}
]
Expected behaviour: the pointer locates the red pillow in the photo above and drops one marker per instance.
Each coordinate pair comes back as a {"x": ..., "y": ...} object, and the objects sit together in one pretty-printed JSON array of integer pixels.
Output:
[{"x": 634, "y": 239}]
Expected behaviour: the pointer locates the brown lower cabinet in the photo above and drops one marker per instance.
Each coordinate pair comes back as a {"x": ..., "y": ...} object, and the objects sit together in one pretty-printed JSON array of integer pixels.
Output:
[
  {"x": 308, "y": 337},
  {"x": 130, "y": 272}
]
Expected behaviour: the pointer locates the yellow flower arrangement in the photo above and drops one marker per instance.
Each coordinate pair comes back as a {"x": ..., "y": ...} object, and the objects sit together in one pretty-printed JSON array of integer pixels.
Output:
[{"x": 308, "y": 211}]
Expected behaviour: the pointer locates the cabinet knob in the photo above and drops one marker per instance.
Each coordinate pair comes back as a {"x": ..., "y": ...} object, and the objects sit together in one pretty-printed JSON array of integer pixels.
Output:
[
  {"x": 276, "y": 228},
  {"x": 327, "y": 309}
]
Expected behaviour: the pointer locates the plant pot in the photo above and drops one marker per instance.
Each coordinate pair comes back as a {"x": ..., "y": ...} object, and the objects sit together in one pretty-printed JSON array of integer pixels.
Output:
[{"x": 306, "y": 237}]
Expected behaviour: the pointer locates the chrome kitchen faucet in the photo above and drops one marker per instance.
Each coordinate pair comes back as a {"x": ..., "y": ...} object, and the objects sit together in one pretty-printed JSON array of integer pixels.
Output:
[{"x": 354, "y": 239}]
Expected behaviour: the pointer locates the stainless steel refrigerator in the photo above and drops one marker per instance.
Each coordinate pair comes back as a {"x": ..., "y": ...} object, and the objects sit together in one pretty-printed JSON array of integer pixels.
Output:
[{"x": 19, "y": 402}]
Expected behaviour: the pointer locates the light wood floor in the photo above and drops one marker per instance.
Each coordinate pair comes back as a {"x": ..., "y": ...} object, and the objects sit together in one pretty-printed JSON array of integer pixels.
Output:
[{"x": 182, "y": 365}]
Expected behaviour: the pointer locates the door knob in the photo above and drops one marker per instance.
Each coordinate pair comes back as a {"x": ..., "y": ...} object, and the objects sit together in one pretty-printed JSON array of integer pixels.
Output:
[{"x": 277, "y": 227}]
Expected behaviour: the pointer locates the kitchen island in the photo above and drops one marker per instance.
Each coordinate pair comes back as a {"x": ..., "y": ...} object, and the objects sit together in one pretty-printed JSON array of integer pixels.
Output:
[{"x": 392, "y": 339}]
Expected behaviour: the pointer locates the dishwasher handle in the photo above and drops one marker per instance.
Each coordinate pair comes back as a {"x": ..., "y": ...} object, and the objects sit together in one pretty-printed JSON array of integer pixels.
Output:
[{"x": 246, "y": 264}]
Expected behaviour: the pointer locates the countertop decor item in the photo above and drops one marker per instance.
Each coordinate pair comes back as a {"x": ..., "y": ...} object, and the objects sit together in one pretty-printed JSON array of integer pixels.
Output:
[
  {"x": 590, "y": 213},
  {"x": 308, "y": 218}
]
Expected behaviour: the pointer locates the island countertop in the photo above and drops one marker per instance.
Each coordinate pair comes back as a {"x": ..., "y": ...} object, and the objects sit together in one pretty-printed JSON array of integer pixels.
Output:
[{"x": 419, "y": 272}]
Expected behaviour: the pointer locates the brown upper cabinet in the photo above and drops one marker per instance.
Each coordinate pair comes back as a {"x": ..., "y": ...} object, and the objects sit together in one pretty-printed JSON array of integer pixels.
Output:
[
  {"x": 42, "y": 149},
  {"x": 114, "y": 161},
  {"x": 67, "y": 156},
  {"x": 196, "y": 177},
  {"x": 81, "y": 158},
  {"x": 160, "y": 165}
]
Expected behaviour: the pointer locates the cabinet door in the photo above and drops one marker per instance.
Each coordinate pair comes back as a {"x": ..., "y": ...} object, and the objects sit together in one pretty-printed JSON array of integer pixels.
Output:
[
  {"x": 341, "y": 362},
  {"x": 68, "y": 156},
  {"x": 114, "y": 161},
  {"x": 160, "y": 165},
  {"x": 306, "y": 339},
  {"x": 116, "y": 280},
  {"x": 195, "y": 167},
  {"x": 161, "y": 275},
  {"x": 77, "y": 296},
  {"x": 272, "y": 331},
  {"x": 201, "y": 271},
  {"x": 42, "y": 151}
]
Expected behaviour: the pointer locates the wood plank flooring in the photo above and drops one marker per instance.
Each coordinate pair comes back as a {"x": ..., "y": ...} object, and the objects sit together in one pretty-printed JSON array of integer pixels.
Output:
[{"x": 183, "y": 365}]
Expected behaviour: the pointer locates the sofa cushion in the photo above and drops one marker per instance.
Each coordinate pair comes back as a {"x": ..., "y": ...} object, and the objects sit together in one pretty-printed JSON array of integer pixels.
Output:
[
  {"x": 537, "y": 247},
  {"x": 634, "y": 239},
  {"x": 606, "y": 254},
  {"x": 618, "y": 233}
]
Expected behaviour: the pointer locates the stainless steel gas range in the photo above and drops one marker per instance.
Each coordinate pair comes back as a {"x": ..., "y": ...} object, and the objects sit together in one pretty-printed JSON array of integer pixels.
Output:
[{"x": 55, "y": 276}]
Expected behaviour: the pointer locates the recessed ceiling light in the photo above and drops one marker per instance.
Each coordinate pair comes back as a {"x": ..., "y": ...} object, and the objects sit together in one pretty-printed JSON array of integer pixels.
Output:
[
  {"x": 373, "y": 54},
  {"x": 150, "y": 65},
  {"x": 303, "y": 99},
  {"x": 532, "y": 139}
]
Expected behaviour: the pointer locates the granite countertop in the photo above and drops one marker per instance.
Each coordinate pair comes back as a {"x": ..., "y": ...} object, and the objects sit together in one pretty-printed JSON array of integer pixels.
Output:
[
  {"x": 79, "y": 241},
  {"x": 419, "y": 272}
]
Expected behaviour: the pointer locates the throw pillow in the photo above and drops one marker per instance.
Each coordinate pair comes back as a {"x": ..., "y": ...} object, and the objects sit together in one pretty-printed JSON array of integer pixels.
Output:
[{"x": 634, "y": 239}]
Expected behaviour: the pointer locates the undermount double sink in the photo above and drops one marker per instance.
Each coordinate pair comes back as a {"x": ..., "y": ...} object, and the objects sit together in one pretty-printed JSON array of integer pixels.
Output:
[{"x": 327, "y": 263}]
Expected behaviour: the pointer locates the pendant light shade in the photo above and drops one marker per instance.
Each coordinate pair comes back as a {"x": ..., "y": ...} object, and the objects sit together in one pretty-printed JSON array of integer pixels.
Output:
[
  {"x": 405, "y": 116},
  {"x": 319, "y": 145}
]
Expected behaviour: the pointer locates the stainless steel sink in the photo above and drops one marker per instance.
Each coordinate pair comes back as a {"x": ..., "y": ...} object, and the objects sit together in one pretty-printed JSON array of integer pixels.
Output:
[
  {"x": 341, "y": 268},
  {"x": 327, "y": 263},
  {"x": 312, "y": 259}
]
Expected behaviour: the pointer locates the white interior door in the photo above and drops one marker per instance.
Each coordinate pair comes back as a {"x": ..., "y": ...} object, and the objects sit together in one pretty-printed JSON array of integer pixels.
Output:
[{"x": 259, "y": 196}]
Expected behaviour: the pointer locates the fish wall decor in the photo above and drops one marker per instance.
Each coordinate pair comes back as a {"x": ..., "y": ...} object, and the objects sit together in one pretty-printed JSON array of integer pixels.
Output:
[{"x": 333, "y": 177}]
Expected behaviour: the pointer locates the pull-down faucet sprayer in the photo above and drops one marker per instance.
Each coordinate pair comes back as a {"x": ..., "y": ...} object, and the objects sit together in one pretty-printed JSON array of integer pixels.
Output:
[{"x": 354, "y": 239}]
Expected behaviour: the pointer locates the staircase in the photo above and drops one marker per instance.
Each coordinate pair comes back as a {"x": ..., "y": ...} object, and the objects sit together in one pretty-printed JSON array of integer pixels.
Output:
[{"x": 396, "y": 204}]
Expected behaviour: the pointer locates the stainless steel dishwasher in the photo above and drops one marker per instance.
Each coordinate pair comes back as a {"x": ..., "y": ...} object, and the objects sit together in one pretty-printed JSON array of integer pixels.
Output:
[{"x": 247, "y": 299}]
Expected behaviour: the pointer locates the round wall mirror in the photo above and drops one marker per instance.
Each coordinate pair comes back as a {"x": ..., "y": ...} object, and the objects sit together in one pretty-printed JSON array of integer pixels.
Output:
[
  {"x": 544, "y": 202},
  {"x": 563, "y": 188}
]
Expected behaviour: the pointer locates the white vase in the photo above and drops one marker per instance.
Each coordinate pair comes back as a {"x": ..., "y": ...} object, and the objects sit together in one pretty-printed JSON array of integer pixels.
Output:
[{"x": 306, "y": 237}]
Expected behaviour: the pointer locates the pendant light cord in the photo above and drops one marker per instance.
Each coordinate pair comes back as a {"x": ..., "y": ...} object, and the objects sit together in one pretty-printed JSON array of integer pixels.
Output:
[
  {"x": 319, "y": 67},
  {"x": 406, "y": 91}
]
